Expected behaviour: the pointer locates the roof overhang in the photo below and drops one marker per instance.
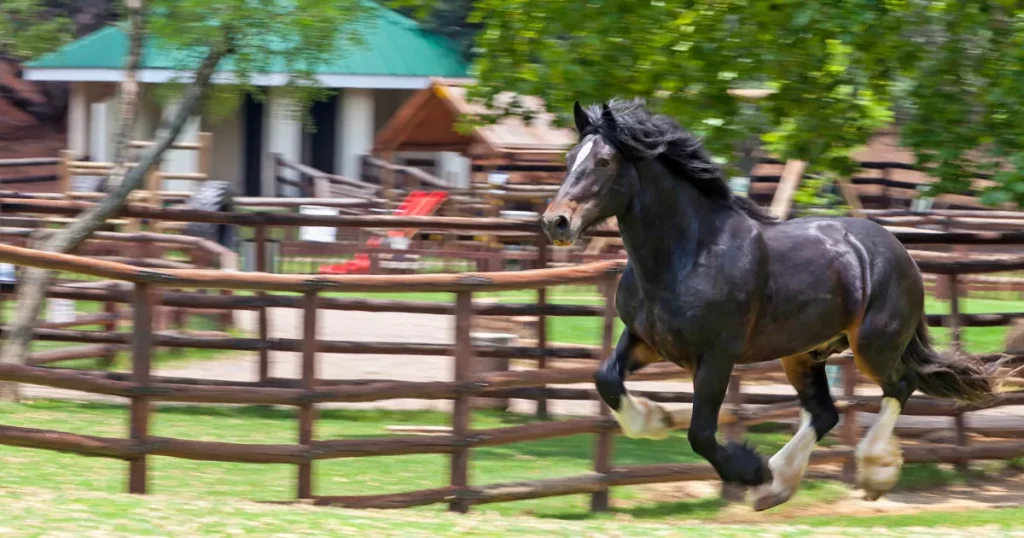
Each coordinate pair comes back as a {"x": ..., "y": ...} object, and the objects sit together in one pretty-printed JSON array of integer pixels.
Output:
[{"x": 162, "y": 76}]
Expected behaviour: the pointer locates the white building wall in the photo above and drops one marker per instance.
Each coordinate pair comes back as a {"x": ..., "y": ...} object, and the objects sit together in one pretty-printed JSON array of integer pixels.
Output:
[
  {"x": 227, "y": 159},
  {"x": 454, "y": 168},
  {"x": 357, "y": 130},
  {"x": 78, "y": 119},
  {"x": 100, "y": 130},
  {"x": 181, "y": 160},
  {"x": 282, "y": 134}
]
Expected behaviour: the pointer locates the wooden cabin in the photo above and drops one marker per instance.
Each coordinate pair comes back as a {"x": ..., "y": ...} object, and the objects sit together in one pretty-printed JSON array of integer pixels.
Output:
[{"x": 522, "y": 153}]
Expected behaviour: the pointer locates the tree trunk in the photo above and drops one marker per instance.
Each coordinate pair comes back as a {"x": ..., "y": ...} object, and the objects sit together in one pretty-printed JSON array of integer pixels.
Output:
[
  {"x": 129, "y": 94},
  {"x": 31, "y": 291}
]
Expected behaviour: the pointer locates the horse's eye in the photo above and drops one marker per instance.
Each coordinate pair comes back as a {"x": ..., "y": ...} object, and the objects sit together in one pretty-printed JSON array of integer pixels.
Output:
[{"x": 603, "y": 163}]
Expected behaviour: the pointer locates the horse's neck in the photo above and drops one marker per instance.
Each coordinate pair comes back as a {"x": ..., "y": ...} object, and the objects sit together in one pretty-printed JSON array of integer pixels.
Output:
[{"x": 667, "y": 227}]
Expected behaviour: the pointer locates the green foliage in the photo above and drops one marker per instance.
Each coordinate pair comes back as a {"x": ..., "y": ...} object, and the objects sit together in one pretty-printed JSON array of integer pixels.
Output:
[
  {"x": 29, "y": 27},
  {"x": 949, "y": 73},
  {"x": 291, "y": 37},
  {"x": 449, "y": 18},
  {"x": 813, "y": 193}
]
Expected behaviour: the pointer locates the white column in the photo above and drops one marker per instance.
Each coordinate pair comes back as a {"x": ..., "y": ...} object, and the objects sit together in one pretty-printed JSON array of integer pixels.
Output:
[
  {"x": 282, "y": 135},
  {"x": 454, "y": 168},
  {"x": 357, "y": 130},
  {"x": 78, "y": 119},
  {"x": 181, "y": 160},
  {"x": 100, "y": 130}
]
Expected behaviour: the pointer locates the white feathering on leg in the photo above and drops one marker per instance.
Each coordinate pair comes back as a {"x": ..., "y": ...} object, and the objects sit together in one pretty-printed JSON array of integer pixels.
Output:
[
  {"x": 641, "y": 418},
  {"x": 879, "y": 457},
  {"x": 788, "y": 466}
]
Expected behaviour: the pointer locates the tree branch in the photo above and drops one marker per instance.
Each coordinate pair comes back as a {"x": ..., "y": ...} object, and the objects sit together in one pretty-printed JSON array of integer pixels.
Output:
[
  {"x": 32, "y": 290},
  {"x": 129, "y": 93}
]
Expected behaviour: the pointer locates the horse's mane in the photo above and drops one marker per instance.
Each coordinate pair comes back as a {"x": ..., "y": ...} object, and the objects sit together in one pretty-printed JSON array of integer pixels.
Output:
[{"x": 642, "y": 135}]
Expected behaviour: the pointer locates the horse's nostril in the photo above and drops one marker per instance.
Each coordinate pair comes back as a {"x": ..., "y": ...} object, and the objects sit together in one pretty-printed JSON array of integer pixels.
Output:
[{"x": 561, "y": 223}]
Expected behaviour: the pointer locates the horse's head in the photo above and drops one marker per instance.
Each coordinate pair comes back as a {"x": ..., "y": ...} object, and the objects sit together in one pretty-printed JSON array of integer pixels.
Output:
[{"x": 595, "y": 186}]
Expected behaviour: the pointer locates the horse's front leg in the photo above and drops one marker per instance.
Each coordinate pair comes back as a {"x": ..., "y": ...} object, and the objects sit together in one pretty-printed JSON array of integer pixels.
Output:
[
  {"x": 734, "y": 462},
  {"x": 638, "y": 417}
]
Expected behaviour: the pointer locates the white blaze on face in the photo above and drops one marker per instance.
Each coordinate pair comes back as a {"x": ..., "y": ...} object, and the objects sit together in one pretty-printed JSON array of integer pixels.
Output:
[{"x": 584, "y": 151}]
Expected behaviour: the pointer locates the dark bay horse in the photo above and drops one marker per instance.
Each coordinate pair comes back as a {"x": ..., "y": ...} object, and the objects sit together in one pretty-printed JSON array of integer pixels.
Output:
[{"x": 714, "y": 281}]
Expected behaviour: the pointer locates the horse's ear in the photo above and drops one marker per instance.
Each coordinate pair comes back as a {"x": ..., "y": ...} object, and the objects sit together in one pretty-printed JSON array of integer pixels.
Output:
[
  {"x": 606, "y": 115},
  {"x": 580, "y": 117}
]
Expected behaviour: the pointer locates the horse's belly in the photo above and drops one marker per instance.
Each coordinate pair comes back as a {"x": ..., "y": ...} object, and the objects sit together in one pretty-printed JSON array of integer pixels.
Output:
[{"x": 801, "y": 327}]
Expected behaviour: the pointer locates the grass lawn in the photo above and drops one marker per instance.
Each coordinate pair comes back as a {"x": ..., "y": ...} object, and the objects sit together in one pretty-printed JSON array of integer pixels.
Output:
[
  {"x": 31, "y": 512},
  {"x": 63, "y": 492}
]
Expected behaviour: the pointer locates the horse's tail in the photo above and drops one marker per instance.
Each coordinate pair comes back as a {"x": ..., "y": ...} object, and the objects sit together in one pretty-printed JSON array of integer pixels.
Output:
[{"x": 949, "y": 375}]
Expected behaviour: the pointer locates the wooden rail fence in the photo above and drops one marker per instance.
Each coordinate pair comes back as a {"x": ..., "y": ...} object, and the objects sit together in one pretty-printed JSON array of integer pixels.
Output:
[{"x": 309, "y": 390}]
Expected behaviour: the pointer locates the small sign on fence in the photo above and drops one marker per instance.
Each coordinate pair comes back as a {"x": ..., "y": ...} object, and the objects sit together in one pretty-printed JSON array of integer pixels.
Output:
[
  {"x": 322, "y": 234},
  {"x": 8, "y": 277},
  {"x": 60, "y": 310},
  {"x": 497, "y": 178}
]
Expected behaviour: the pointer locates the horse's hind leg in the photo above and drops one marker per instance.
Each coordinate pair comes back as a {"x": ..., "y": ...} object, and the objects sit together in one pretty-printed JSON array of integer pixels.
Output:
[
  {"x": 877, "y": 346},
  {"x": 638, "y": 417},
  {"x": 818, "y": 417}
]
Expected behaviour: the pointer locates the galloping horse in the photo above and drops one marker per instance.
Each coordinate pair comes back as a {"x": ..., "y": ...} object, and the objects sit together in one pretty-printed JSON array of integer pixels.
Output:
[{"x": 714, "y": 281}]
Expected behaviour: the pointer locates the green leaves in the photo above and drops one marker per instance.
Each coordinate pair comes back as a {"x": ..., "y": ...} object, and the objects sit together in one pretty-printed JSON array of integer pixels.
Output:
[
  {"x": 289, "y": 38},
  {"x": 947, "y": 73},
  {"x": 29, "y": 28}
]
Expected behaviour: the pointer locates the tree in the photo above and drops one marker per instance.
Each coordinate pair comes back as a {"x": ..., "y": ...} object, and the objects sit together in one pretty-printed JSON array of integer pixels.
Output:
[
  {"x": 449, "y": 18},
  {"x": 947, "y": 72},
  {"x": 256, "y": 37},
  {"x": 31, "y": 27}
]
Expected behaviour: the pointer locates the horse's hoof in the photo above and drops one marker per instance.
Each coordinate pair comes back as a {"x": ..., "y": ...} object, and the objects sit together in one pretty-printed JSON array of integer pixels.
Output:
[{"x": 771, "y": 499}]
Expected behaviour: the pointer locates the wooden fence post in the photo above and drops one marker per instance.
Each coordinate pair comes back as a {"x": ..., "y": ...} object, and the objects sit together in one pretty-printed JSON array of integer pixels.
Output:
[
  {"x": 307, "y": 411},
  {"x": 850, "y": 430},
  {"x": 205, "y": 157},
  {"x": 542, "y": 319},
  {"x": 961, "y": 439},
  {"x": 142, "y": 355},
  {"x": 605, "y": 440},
  {"x": 264, "y": 330},
  {"x": 954, "y": 313},
  {"x": 226, "y": 317},
  {"x": 110, "y": 309},
  {"x": 460, "y": 411},
  {"x": 64, "y": 172}
]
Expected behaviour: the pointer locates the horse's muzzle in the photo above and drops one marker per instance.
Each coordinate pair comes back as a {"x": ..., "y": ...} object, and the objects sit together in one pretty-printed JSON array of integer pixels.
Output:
[{"x": 559, "y": 229}]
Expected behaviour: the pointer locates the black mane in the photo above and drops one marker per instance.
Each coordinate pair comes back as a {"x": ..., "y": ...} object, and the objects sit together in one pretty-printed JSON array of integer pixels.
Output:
[{"x": 641, "y": 135}]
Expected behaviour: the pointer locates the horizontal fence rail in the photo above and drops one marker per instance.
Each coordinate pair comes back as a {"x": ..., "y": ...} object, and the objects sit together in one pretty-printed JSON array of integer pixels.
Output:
[{"x": 165, "y": 287}]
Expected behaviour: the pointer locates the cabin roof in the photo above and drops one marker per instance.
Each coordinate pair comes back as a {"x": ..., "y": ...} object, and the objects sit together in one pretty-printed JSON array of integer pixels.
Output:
[{"x": 429, "y": 121}]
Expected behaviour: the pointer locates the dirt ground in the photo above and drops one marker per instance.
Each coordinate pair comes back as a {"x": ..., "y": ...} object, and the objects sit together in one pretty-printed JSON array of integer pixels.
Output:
[{"x": 988, "y": 492}]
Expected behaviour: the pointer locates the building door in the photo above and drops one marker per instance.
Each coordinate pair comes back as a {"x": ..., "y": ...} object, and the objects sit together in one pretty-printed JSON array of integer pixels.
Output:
[
  {"x": 252, "y": 114},
  {"x": 325, "y": 118}
]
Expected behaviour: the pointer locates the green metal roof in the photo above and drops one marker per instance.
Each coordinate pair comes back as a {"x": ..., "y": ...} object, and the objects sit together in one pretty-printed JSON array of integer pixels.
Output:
[{"x": 392, "y": 45}]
